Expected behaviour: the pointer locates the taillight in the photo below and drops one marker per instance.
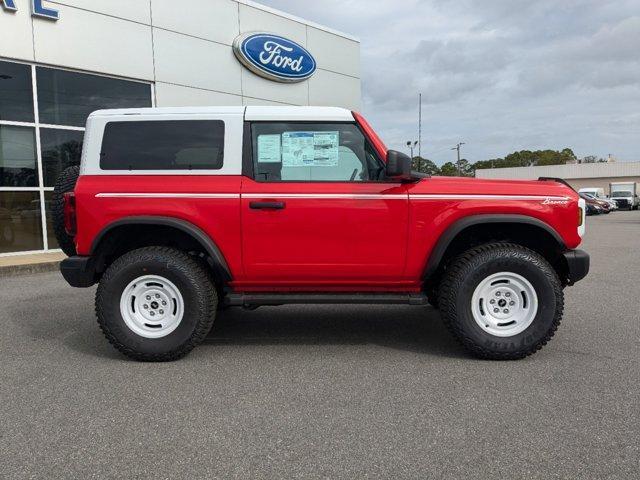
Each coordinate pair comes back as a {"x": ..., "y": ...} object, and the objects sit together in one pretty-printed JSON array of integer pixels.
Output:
[{"x": 70, "y": 213}]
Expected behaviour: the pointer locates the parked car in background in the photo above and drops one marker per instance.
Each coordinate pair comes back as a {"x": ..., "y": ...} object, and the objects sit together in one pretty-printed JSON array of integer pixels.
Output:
[
  {"x": 595, "y": 191},
  {"x": 604, "y": 206},
  {"x": 598, "y": 194},
  {"x": 592, "y": 208},
  {"x": 625, "y": 194}
]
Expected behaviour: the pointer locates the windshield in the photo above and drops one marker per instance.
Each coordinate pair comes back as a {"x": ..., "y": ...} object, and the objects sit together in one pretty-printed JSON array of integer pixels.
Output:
[{"x": 621, "y": 194}]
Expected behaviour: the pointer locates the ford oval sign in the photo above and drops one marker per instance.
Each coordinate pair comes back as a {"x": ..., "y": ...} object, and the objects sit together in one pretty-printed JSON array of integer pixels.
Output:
[{"x": 274, "y": 57}]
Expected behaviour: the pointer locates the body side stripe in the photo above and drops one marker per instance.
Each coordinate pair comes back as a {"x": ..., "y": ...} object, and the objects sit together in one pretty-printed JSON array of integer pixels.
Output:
[{"x": 332, "y": 196}]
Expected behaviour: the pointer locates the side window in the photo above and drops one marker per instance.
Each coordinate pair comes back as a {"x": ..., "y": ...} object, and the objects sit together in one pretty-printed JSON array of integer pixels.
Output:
[
  {"x": 163, "y": 145},
  {"x": 318, "y": 152}
]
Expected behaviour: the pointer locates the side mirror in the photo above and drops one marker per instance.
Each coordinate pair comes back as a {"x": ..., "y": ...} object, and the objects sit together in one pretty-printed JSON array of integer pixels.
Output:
[{"x": 398, "y": 165}]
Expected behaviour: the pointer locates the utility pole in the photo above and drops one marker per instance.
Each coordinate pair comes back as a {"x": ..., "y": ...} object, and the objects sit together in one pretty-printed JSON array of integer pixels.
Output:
[
  {"x": 457, "y": 147},
  {"x": 419, "y": 129}
]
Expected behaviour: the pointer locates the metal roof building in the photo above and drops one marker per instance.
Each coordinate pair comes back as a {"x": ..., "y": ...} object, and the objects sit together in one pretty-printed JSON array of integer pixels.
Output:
[{"x": 579, "y": 175}]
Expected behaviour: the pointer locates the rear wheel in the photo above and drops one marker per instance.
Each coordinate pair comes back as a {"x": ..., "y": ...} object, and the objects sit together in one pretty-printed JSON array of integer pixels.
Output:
[
  {"x": 501, "y": 301},
  {"x": 66, "y": 183},
  {"x": 156, "y": 304}
]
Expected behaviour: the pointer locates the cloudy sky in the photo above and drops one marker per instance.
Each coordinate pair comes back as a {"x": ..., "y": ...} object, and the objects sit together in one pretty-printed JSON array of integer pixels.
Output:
[{"x": 500, "y": 75}]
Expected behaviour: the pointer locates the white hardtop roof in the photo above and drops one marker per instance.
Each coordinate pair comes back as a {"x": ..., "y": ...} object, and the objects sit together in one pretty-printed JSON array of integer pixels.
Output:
[
  {"x": 285, "y": 113},
  {"x": 331, "y": 114}
]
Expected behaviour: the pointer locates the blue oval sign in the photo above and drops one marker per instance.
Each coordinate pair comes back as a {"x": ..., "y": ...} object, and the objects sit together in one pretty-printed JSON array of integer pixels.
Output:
[{"x": 274, "y": 57}]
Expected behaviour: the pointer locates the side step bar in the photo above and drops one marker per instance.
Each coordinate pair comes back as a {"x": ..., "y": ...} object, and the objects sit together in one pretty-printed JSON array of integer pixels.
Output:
[{"x": 254, "y": 300}]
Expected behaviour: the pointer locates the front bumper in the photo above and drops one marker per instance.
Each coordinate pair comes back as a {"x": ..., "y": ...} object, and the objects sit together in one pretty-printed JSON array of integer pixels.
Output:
[
  {"x": 622, "y": 203},
  {"x": 79, "y": 271},
  {"x": 577, "y": 265}
]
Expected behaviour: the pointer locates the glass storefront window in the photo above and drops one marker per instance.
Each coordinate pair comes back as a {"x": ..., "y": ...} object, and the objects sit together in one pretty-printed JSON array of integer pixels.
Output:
[
  {"x": 18, "y": 163},
  {"x": 60, "y": 149},
  {"x": 67, "y": 98},
  {"x": 51, "y": 238},
  {"x": 16, "y": 92},
  {"x": 20, "y": 222}
]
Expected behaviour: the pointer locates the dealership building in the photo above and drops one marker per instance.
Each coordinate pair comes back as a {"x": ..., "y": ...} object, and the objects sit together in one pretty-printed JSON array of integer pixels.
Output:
[
  {"x": 578, "y": 175},
  {"x": 61, "y": 60}
]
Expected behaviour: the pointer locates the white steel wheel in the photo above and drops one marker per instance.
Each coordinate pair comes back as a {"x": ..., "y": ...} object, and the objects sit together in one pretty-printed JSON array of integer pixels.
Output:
[
  {"x": 504, "y": 304},
  {"x": 152, "y": 306}
]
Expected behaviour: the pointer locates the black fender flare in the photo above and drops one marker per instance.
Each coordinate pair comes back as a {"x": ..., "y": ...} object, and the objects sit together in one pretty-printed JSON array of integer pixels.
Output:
[
  {"x": 187, "y": 227},
  {"x": 458, "y": 226}
]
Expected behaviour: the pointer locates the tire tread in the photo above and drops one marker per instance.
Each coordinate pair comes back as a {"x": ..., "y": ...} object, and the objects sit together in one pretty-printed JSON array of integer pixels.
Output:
[
  {"x": 452, "y": 282},
  {"x": 208, "y": 298}
]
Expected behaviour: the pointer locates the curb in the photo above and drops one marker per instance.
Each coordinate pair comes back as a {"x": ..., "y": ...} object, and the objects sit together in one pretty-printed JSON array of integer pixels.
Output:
[{"x": 10, "y": 270}]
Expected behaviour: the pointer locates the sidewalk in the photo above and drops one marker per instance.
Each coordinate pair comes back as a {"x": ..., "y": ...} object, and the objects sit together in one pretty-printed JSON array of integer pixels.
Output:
[{"x": 35, "y": 263}]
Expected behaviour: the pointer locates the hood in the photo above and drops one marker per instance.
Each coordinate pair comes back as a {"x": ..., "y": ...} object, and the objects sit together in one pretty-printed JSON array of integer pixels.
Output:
[{"x": 464, "y": 185}]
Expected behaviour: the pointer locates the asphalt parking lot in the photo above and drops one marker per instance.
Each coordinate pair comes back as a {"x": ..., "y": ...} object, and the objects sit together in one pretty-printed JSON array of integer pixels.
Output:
[{"x": 327, "y": 392}]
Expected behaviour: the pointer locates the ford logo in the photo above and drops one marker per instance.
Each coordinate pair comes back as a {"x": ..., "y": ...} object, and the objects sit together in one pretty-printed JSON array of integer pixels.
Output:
[{"x": 274, "y": 57}]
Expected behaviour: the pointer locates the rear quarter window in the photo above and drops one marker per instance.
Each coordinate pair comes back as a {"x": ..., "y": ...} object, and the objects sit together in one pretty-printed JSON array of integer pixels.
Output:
[{"x": 163, "y": 145}]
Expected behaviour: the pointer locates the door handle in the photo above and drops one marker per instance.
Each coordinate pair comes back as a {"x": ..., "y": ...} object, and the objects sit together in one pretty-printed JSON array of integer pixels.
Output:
[{"x": 266, "y": 205}]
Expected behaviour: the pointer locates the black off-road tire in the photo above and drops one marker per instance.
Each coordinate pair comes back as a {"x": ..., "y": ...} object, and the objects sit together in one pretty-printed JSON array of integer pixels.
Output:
[
  {"x": 194, "y": 284},
  {"x": 433, "y": 298},
  {"x": 66, "y": 183},
  {"x": 466, "y": 272}
]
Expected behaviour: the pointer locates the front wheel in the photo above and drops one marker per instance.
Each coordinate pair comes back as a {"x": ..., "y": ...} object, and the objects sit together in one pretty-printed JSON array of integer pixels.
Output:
[
  {"x": 501, "y": 301},
  {"x": 156, "y": 304}
]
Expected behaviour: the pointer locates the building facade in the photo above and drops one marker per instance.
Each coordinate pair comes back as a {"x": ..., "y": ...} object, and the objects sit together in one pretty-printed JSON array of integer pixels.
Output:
[
  {"x": 578, "y": 175},
  {"x": 61, "y": 60}
]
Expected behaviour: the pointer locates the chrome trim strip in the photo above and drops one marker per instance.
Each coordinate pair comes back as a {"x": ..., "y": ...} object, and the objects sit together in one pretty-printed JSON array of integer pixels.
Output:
[
  {"x": 168, "y": 195},
  {"x": 485, "y": 197},
  {"x": 333, "y": 196},
  {"x": 328, "y": 196}
]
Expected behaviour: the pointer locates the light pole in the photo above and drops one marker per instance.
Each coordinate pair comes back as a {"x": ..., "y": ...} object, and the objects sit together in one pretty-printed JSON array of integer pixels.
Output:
[
  {"x": 411, "y": 146},
  {"x": 457, "y": 147}
]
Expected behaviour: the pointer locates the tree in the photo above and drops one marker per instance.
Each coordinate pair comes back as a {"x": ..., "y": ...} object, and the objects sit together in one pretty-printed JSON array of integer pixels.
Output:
[
  {"x": 528, "y": 158},
  {"x": 424, "y": 165},
  {"x": 449, "y": 169},
  {"x": 593, "y": 159},
  {"x": 569, "y": 155},
  {"x": 466, "y": 168}
]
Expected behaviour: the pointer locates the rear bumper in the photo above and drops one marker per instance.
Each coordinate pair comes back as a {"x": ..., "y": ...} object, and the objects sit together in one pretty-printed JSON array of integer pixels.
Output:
[
  {"x": 578, "y": 265},
  {"x": 78, "y": 271}
]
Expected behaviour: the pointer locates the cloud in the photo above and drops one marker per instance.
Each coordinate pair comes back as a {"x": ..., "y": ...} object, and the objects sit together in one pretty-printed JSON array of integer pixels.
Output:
[{"x": 500, "y": 75}]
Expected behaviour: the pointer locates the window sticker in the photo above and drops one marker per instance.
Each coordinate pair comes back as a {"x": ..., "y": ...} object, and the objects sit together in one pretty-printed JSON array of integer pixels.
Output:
[
  {"x": 310, "y": 149},
  {"x": 269, "y": 149}
]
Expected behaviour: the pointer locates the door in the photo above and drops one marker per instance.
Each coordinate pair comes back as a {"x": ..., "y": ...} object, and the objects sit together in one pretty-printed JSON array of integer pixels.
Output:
[{"x": 318, "y": 210}]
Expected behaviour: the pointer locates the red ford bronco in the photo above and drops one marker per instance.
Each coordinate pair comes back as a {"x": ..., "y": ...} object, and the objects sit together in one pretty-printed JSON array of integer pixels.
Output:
[{"x": 179, "y": 213}]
